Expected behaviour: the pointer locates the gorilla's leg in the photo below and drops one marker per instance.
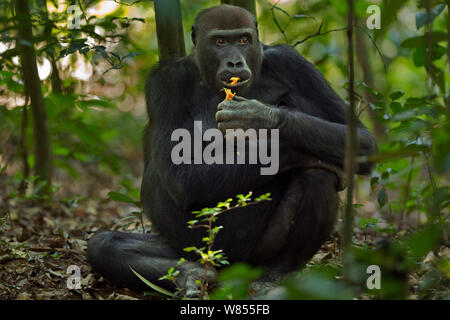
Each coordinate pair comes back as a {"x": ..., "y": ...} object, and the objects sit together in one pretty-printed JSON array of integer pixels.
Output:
[
  {"x": 314, "y": 218},
  {"x": 112, "y": 253},
  {"x": 304, "y": 219}
]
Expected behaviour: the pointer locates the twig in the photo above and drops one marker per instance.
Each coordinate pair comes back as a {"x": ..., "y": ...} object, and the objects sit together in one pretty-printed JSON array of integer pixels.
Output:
[
  {"x": 351, "y": 146},
  {"x": 405, "y": 198},
  {"x": 277, "y": 24},
  {"x": 320, "y": 33},
  {"x": 435, "y": 210},
  {"x": 48, "y": 249},
  {"x": 127, "y": 4}
]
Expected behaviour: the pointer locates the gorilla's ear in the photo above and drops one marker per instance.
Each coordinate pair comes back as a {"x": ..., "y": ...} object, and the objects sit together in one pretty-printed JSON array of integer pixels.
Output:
[{"x": 194, "y": 34}]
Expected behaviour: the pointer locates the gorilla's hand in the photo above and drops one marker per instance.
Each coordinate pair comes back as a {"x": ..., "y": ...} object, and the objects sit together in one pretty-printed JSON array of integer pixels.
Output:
[{"x": 246, "y": 114}]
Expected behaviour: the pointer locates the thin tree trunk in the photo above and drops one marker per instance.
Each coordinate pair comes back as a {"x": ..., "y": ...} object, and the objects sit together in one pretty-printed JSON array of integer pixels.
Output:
[
  {"x": 350, "y": 146},
  {"x": 169, "y": 29},
  {"x": 23, "y": 148},
  {"x": 43, "y": 166},
  {"x": 406, "y": 195},
  {"x": 364, "y": 60},
  {"x": 54, "y": 77},
  {"x": 448, "y": 49},
  {"x": 246, "y": 4}
]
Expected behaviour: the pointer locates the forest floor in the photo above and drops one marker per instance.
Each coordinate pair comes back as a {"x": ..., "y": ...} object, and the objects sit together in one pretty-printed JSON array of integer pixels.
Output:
[{"x": 40, "y": 240}]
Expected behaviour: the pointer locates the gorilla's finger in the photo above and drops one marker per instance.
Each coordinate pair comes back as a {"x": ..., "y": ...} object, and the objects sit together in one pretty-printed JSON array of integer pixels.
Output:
[
  {"x": 228, "y": 105},
  {"x": 239, "y": 98},
  {"x": 225, "y": 115},
  {"x": 222, "y": 126}
]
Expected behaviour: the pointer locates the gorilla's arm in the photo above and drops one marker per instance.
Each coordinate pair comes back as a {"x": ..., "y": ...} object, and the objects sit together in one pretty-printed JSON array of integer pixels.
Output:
[
  {"x": 323, "y": 138},
  {"x": 314, "y": 118}
]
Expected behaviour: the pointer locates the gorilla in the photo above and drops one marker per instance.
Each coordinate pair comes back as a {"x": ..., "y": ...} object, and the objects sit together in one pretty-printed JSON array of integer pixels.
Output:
[{"x": 278, "y": 89}]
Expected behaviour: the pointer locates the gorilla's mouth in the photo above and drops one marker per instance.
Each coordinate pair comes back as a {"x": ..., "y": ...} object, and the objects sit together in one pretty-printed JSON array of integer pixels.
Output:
[{"x": 234, "y": 84}]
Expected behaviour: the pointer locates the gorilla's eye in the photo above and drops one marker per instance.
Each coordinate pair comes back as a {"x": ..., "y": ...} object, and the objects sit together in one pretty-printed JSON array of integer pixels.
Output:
[
  {"x": 220, "y": 42},
  {"x": 243, "y": 40}
]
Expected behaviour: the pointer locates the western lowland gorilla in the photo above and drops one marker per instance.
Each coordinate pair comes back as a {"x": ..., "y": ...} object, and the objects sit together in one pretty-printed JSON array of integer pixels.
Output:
[{"x": 278, "y": 89}]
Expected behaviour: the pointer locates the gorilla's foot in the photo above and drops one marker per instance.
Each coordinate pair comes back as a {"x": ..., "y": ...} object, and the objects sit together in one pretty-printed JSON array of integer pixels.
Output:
[{"x": 190, "y": 275}]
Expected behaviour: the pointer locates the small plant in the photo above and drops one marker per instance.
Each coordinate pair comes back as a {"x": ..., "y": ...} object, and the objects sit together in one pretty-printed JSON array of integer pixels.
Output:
[
  {"x": 121, "y": 197},
  {"x": 5, "y": 222},
  {"x": 206, "y": 218},
  {"x": 172, "y": 275},
  {"x": 367, "y": 224}
]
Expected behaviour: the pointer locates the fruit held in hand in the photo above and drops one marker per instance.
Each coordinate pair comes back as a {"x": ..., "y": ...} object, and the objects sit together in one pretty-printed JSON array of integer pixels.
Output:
[{"x": 228, "y": 94}]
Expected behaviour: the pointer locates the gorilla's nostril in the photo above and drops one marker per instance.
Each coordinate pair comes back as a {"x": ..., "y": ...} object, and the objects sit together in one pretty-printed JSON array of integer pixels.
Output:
[{"x": 237, "y": 65}]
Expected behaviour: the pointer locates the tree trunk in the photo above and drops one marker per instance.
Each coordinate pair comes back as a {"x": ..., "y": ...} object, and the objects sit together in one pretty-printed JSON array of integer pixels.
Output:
[
  {"x": 43, "y": 166},
  {"x": 246, "y": 4},
  {"x": 448, "y": 49},
  {"x": 350, "y": 146},
  {"x": 169, "y": 29}
]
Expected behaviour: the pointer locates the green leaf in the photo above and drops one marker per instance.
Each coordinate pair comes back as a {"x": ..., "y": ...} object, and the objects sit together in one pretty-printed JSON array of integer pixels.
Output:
[
  {"x": 3, "y": 169},
  {"x": 382, "y": 197},
  {"x": 74, "y": 46},
  {"x": 422, "y": 41},
  {"x": 94, "y": 103},
  {"x": 374, "y": 182},
  {"x": 424, "y": 240},
  {"x": 130, "y": 56},
  {"x": 397, "y": 95},
  {"x": 395, "y": 107},
  {"x": 301, "y": 16},
  {"x": 84, "y": 50},
  {"x": 420, "y": 54},
  {"x": 121, "y": 197},
  {"x": 377, "y": 95},
  {"x": 153, "y": 286},
  {"x": 279, "y": 9},
  {"x": 441, "y": 150},
  {"x": 423, "y": 18}
]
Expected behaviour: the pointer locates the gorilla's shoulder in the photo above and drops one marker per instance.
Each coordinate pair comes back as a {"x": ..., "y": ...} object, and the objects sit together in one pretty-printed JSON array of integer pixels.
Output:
[
  {"x": 295, "y": 71},
  {"x": 284, "y": 56},
  {"x": 173, "y": 71},
  {"x": 170, "y": 83}
]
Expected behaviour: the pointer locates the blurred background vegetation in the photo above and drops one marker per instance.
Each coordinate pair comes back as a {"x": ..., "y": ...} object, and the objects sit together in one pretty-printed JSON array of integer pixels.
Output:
[{"x": 92, "y": 81}]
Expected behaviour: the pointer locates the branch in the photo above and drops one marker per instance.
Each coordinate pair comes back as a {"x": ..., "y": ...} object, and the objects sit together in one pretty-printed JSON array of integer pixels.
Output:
[
  {"x": 320, "y": 33},
  {"x": 274, "y": 6},
  {"x": 127, "y": 4}
]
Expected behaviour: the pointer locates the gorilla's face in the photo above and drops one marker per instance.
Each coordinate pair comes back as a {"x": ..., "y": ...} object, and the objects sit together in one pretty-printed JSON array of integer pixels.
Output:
[{"x": 225, "y": 52}]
